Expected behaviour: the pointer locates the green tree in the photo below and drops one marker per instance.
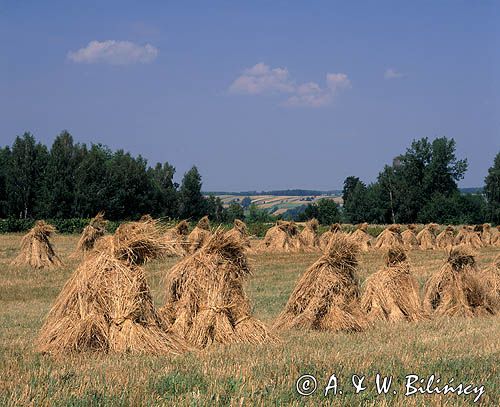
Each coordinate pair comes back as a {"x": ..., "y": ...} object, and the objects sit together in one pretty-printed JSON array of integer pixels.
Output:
[
  {"x": 164, "y": 191},
  {"x": 59, "y": 182},
  {"x": 255, "y": 214},
  {"x": 454, "y": 209},
  {"x": 192, "y": 204},
  {"x": 349, "y": 184},
  {"x": 4, "y": 165},
  {"x": 92, "y": 181},
  {"x": 425, "y": 169},
  {"x": 233, "y": 212},
  {"x": 128, "y": 187},
  {"x": 246, "y": 202},
  {"x": 492, "y": 190},
  {"x": 355, "y": 200},
  {"x": 214, "y": 208},
  {"x": 328, "y": 211},
  {"x": 24, "y": 175}
]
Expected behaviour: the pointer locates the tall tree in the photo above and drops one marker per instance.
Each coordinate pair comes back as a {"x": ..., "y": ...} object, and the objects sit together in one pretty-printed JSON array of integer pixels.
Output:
[
  {"x": 164, "y": 190},
  {"x": 234, "y": 211},
  {"x": 328, "y": 211},
  {"x": 4, "y": 165},
  {"x": 425, "y": 169},
  {"x": 24, "y": 175},
  {"x": 215, "y": 209},
  {"x": 192, "y": 204},
  {"x": 492, "y": 190},
  {"x": 92, "y": 182},
  {"x": 356, "y": 205},
  {"x": 349, "y": 184},
  {"x": 128, "y": 186},
  {"x": 59, "y": 185}
]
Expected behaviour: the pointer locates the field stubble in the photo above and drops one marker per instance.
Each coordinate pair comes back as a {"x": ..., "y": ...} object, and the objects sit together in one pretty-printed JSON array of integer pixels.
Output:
[{"x": 463, "y": 349}]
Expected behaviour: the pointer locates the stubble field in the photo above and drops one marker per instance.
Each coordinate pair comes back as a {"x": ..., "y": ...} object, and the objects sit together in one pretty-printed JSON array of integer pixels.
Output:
[{"x": 467, "y": 350}]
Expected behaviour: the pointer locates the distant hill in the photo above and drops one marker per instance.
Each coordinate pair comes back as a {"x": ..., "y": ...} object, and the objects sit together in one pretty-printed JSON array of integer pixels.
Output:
[
  {"x": 285, "y": 192},
  {"x": 473, "y": 190}
]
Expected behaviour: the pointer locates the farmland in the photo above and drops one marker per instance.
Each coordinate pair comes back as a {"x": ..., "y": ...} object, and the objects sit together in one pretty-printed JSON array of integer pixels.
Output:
[
  {"x": 458, "y": 348},
  {"x": 277, "y": 204}
]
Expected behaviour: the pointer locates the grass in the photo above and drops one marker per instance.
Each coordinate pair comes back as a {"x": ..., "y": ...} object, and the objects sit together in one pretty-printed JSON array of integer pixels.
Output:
[{"x": 462, "y": 349}]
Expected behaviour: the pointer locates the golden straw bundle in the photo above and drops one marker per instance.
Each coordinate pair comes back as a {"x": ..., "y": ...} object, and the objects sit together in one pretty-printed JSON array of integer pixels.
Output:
[
  {"x": 36, "y": 248},
  {"x": 426, "y": 237},
  {"x": 361, "y": 237},
  {"x": 107, "y": 305},
  {"x": 91, "y": 233},
  {"x": 468, "y": 237},
  {"x": 178, "y": 238},
  {"x": 205, "y": 301},
  {"x": 457, "y": 288},
  {"x": 283, "y": 237},
  {"x": 240, "y": 232},
  {"x": 326, "y": 297},
  {"x": 199, "y": 235},
  {"x": 326, "y": 237},
  {"x": 409, "y": 238},
  {"x": 392, "y": 293},
  {"x": 389, "y": 237},
  {"x": 446, "y": 238},
  {"x": 308, "y": 238}
]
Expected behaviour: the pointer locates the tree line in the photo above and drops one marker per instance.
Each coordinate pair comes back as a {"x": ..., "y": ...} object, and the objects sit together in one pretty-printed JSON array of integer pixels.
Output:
[
  {"x": 73, "y": 180},
  {"x": 421, "y": 186}
]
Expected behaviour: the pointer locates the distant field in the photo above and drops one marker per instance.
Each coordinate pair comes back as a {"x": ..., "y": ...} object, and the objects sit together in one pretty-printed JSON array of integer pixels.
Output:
[
  {"x": 276, "y": 205},
  {"x": 463, "y": 349}
]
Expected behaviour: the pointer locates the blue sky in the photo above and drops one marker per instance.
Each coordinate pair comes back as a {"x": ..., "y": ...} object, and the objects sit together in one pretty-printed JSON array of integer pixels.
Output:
[{"x": 259, "y": 95}]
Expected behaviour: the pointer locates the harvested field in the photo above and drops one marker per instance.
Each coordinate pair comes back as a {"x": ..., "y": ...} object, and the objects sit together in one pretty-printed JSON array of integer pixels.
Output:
[{"x": 241, "y": 374}]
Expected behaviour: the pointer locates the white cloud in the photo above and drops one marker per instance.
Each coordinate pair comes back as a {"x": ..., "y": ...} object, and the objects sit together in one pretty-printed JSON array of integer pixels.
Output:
[
  {"x": 392, "y": 73},
  {"x": 262, "y": 79},
  {"x": 337, "y": 81},
  {"x": 114, "y": 53}
]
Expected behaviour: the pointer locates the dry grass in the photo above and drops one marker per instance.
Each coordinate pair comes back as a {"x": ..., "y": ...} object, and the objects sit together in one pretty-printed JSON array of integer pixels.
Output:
[
  {"x": 91, "y": 233},
  {"x": 459, "y": 348},
  {"x": 37, "y": 250}
]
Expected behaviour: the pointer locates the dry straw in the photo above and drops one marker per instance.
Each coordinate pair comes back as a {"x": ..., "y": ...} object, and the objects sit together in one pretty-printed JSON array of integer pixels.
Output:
[
  {"x": 391, "y": 236},
  {"x": 458, "y": 288},
  {"x": 446, "y": 238},
  {"x": 239, "y": 232},
  {"x": 204, "y": 299},
  {"x": 282, "y": 237},
  {"x": 491, "y": 276},
  {"x": 392, "y": 293},
  {"x": 495, "y": 236},
  {"x": 468, "y": 237},
  {"x": 326, "y": 237},
  {"x": 91, "y": 233},
  {"x": 106, "y": 305},
  {"x": 409, "y": 238},
  {"x": 486, "y": 234},
  {"x": 36, "y": 248},
  {"x": 426, "y": 237},
  {"x": 309, "y": 240},
  {"x": 361, "y": 237},
  {"x": 199, "y": 235},
  {"x": 178, "y": 238},
  {"x": 326, "y": 297}
]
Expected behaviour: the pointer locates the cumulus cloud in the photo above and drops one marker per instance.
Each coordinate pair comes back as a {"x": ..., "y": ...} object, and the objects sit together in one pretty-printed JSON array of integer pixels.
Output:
[
  {"x": 262, "y": 79},
  {"x": 391, "y": 73},
  {"x": 114, "y": 53}
]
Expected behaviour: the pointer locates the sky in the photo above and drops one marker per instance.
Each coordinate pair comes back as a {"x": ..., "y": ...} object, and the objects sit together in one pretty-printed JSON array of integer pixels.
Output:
[{"x": 258, "y": 95}]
